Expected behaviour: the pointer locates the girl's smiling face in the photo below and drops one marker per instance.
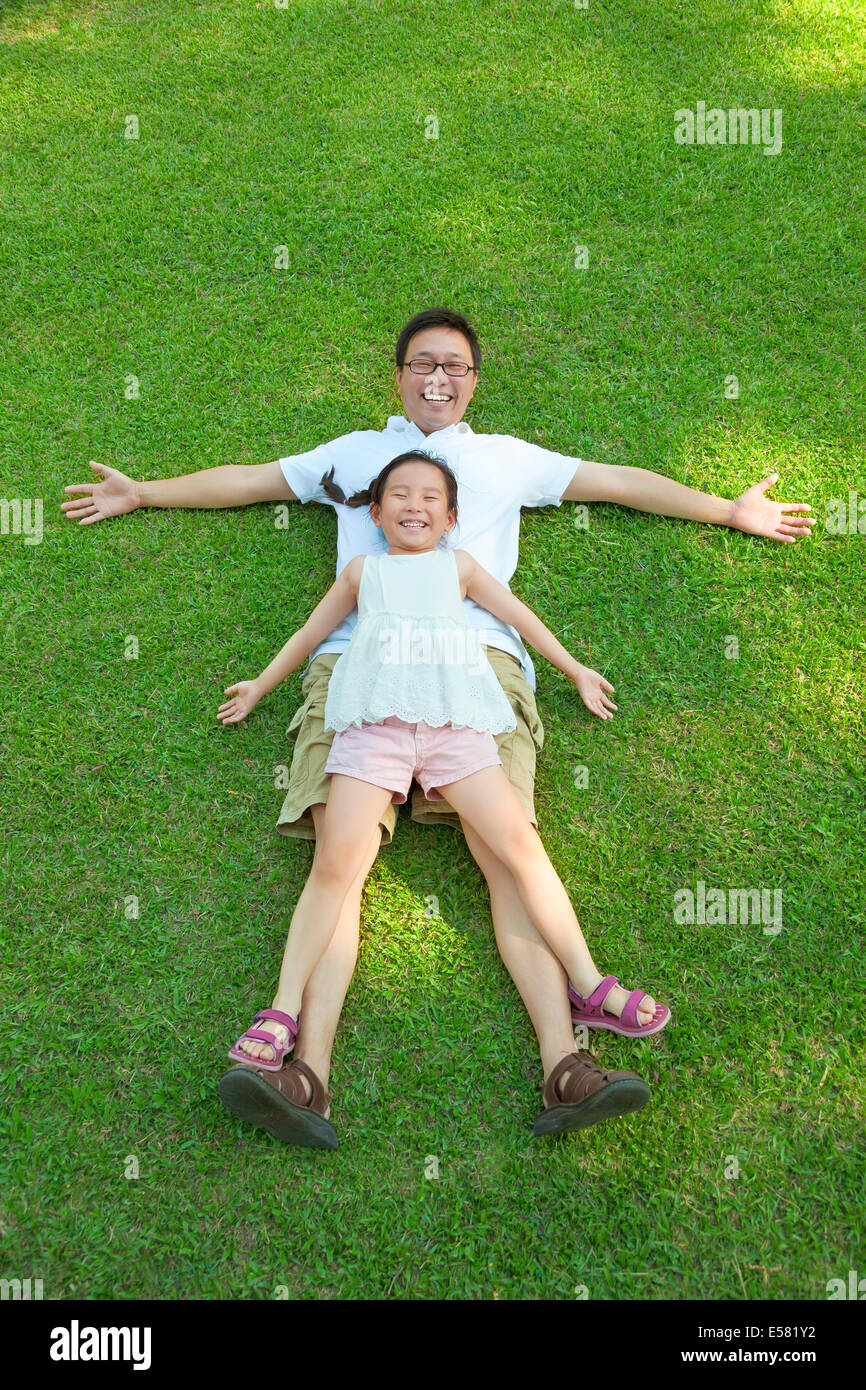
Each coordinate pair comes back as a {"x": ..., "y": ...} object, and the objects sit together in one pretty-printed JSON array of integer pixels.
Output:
[{"x": 414, "y": 512}]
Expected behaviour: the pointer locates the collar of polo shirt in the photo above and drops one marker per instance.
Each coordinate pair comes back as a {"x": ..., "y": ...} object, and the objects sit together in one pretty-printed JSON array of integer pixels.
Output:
[{"x": 400, "y": 423}]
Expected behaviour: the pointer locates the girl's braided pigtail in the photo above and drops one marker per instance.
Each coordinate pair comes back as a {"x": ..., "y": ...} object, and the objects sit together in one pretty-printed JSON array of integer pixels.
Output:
[{"x": 336, "y": 493}]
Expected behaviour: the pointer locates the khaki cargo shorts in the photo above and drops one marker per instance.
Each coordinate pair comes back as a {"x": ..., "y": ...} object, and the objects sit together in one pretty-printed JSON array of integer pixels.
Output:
[{"x": 309, "y": 783}]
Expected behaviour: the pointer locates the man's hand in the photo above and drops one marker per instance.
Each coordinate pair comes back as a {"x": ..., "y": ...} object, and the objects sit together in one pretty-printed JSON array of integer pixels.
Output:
[
  {"x": 247, "y": 696},
  {"x": 592, "y": 689},
  {"x": 757, "y": 515},
  {"x": 111, "y": 497}
]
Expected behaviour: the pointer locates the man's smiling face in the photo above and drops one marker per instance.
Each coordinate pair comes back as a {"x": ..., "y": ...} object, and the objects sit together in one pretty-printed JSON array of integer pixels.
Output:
[{"x": 434, "y": 399}]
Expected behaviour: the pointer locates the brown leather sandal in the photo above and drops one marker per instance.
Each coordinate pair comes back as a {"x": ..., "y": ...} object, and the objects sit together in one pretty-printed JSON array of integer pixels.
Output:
[
  {"x": 275, "y": 1101},
  {"x": 585, "y": 1094}
]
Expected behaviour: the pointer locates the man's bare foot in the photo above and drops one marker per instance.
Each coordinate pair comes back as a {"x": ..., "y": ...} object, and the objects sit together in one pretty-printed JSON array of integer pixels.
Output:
[{"x": 617, "y": 999}]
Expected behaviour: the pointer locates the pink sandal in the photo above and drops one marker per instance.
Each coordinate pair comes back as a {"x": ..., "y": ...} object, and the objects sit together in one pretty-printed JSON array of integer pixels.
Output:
[
  {"x": 589, "y": 1010},
  {"x": 281, "y": 1049}
]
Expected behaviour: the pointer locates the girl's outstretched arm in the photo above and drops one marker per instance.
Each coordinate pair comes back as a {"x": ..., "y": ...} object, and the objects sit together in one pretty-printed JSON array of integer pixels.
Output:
[
  {"x": 480, "y": 585},
  {"x": 337, "y": 604}
]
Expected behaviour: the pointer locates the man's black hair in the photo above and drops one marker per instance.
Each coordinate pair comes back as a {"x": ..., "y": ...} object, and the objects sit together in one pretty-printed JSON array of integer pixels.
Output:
[{"x": 438, "y": 318}]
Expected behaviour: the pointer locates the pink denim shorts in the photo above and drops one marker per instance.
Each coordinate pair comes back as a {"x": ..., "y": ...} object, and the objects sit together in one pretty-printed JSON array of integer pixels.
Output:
[{"x": 390, "y": 754}]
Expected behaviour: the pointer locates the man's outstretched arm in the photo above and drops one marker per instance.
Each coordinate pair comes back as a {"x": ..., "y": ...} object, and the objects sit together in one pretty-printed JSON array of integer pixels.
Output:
[
  {"x": 652, "y": 492},
  {"x": 229, "y": 485}
]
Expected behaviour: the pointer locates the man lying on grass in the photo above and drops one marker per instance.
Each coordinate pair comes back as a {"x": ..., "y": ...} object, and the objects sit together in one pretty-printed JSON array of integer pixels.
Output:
[{"x": 438, "y": 358}]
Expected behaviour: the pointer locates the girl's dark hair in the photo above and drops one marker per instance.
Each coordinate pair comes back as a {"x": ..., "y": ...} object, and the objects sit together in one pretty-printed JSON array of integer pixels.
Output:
[{"x": 375, "y": 491}]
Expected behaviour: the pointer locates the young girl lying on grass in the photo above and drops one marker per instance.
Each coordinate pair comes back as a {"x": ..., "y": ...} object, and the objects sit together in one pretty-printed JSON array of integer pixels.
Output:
[{"x": 414, "y": 695}]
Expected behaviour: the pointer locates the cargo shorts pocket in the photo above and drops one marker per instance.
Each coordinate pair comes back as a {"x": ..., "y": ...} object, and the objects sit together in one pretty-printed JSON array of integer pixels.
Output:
[
  {"x": 520, "y": 695},
  {"x": 298, "y": 718},
  {"x": 523, "y": 701},
  {"x": 314, "y": 689}
]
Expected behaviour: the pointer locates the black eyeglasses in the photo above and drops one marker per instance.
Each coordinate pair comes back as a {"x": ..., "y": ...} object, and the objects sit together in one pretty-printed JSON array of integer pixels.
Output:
[{"x": 425, "y": 366}]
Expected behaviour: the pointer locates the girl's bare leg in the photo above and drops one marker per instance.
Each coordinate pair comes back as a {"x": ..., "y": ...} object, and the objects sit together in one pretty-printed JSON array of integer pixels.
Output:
[
  {"x": 535, "y": 970},
  {"x": 350, "y": 831},
  {"x": 328, "y": 985},
  {"x": 487, "y": 802}
]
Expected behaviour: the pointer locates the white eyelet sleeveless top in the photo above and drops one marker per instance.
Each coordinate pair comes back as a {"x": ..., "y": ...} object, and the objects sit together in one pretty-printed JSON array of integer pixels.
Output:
[{"x": 413, "y": 654}]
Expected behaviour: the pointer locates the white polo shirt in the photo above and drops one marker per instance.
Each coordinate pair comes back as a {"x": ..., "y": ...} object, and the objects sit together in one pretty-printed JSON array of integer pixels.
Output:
[{"x": 497, "y": 474}]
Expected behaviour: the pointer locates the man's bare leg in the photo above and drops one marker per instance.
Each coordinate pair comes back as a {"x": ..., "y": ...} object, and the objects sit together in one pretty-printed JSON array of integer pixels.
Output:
[{"x": 538, "y": 975}]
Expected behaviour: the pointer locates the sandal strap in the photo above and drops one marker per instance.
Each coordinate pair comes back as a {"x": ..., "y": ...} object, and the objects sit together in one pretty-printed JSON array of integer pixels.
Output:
[
  {"x": 602, "y": 990},
  {"x": 584, "y": 1079},
  {"x": 259, "y": 1035},
  {"x": 589, "y": 1003},
  {"x": 277, "y": 1016},
  {"x": 288, "y": 1083},
  {"x": 629, "y": 1014}
]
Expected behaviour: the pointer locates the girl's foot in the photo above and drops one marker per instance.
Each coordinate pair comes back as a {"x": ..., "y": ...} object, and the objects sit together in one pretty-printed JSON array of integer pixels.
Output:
[
  {"x": 264, "y": 1050},
  {"x": 617, "y": 1000},
  {"x": 257, "y": 1049},
  {"x": 255, "y": 1046},
  {"x": 607, "y": 1006}
]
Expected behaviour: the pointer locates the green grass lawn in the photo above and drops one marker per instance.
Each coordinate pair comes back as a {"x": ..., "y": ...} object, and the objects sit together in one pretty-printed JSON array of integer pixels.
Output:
[{"x": 154, "y": 258}]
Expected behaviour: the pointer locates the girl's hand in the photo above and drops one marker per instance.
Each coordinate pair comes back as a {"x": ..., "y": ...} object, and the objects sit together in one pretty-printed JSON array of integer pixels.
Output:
[
  {"x": 592, "y": 689},
  {"x": 246, "y": 695}
]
